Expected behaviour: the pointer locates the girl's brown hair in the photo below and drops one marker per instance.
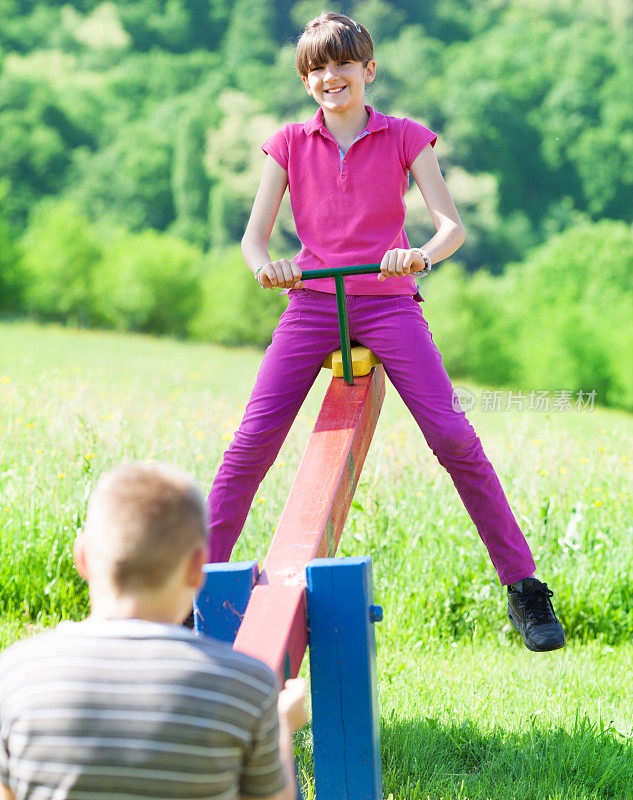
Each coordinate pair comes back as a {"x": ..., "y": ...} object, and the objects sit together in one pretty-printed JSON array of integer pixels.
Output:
[{"x": 332, "y": 36}]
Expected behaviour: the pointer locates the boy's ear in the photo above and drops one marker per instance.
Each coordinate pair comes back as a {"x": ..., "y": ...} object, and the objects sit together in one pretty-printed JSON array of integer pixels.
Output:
[
  {"x": 194, "y": 575},
  {"x": 79, "y": 556}
]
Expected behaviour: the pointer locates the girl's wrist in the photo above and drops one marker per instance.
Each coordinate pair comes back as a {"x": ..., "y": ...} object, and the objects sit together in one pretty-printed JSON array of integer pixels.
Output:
[
  {"x": 257, "y": 273},
  {"x": 428, "y": 264}
]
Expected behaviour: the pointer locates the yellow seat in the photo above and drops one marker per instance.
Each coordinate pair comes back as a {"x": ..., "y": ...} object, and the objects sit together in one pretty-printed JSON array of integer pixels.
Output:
[{"x": 362, "y": 362}]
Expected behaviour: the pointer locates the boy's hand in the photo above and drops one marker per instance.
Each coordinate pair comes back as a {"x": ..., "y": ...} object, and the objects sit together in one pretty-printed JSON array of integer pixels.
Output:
[
  {"x": 292, "y": 704},
  {"x": 398, "y": 262},
  {"x": 280, "y": 274}
]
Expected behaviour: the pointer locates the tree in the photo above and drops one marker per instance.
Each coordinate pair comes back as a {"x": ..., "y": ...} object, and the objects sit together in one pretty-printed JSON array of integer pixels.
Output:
[
  {"x": 149, "y": 282},
  {"x": 128, "y": 182},
  {"x": 62, "y": 254},
  {"x": 36, "y": 137},
  {"x": 250, "y": 36},
  {"x": 234, "y": 161},
  {"x": 11, "y": 279},
  {"x": 189, "y": 180}
]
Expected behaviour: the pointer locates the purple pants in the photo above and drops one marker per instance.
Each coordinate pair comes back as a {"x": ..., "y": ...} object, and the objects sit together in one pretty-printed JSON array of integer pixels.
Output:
[{"x": 394, "y": 328}]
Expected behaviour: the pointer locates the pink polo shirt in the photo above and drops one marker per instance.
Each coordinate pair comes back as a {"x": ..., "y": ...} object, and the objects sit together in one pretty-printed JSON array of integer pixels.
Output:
[{"x": 351, "y": 211}]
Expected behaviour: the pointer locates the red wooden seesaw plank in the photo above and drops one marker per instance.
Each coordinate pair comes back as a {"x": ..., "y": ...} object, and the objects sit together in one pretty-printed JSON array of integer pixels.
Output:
[{"x": 274, "y": 627}]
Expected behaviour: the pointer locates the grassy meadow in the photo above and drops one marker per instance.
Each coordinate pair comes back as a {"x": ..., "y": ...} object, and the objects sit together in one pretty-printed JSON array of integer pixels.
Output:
[{"x": 467, "y": 712}]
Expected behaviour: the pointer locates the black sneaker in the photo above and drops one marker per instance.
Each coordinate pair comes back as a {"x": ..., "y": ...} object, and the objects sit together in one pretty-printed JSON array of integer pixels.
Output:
[{"x": 532, "y": 614}]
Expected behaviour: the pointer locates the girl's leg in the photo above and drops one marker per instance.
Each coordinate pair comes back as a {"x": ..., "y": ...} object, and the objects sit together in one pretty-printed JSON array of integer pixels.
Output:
[
  {"x": 291, "y": 363},
  {"x": 396, "y": 331}
]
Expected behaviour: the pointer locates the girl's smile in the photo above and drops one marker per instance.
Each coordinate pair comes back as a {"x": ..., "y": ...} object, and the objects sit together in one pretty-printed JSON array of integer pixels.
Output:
[{"x": 340, "y": 85}]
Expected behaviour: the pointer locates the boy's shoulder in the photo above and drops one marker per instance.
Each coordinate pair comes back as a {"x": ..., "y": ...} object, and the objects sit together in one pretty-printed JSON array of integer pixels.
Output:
[
  {"x": 118, "y": 638},
  {"x": 22, "y": 649}
]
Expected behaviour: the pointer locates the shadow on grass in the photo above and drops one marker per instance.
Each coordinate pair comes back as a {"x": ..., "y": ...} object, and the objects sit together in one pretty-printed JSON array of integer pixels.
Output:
[
  {"x": 427, "y": 760},
  {"x": 424, "y": 758}
]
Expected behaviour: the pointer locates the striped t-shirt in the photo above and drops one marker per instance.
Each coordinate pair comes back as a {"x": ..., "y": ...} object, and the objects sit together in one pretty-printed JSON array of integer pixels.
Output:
[{"x": 129, "y": 708}]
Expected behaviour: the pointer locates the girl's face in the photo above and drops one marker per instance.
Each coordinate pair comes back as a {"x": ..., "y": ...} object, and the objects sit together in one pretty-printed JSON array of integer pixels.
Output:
[{"x": 340, "y": 85}]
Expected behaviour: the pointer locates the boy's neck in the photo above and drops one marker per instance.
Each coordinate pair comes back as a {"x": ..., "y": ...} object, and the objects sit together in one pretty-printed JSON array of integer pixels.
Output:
[
  {"x": 153, "y": 607},
  {"x": 346, "y": 125}
]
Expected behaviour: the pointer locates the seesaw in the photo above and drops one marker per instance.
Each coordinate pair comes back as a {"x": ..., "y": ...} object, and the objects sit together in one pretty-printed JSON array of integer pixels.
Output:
[{"x": 302, "y": 594}]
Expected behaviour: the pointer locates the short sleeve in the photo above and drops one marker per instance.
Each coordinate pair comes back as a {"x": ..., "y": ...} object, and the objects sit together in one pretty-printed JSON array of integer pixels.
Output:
[
  {"x": 263, "y": 774},
  {"x": 277, "y": 147},
  {"x": 415, "y": 138}
]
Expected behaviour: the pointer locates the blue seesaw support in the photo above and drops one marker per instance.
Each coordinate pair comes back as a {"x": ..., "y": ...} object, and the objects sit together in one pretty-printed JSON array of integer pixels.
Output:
[
  {"x": 341, "y": 616},
  {"x": 220, "y": 606},
  {"x": 345, "y": 717}
]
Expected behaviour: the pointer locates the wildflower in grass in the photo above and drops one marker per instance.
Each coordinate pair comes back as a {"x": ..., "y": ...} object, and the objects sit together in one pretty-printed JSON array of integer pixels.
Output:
[
  {"x": 281, "y": 463},
  {"x": 602, "y": 450},
  {"x": 261, "y": 499},
  {"x": 536, "y": 441},
  {"x": 563, "y": 470},
  {"x": 200, "y": 434},
  {"x": 5, "y": 379},
  {"x": 227, "y": 437},
  {"x": 542, "y": 472},
  {"x": 30, "y": 425},
  {"x": 200, "y": 457},
  {"x": 597, "y": 503},
  {"x": 61, "y": 475},
  {"x": 584, "y": 460}
]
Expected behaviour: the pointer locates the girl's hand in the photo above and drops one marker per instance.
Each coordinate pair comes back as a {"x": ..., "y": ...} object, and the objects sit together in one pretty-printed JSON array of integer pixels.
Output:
[
  {"x": 398, "y": 262},
  {"x": 280, "y": 274}
]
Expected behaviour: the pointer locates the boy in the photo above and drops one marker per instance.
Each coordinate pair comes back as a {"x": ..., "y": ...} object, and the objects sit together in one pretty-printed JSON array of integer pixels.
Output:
[{"x": 127, "y": 703}]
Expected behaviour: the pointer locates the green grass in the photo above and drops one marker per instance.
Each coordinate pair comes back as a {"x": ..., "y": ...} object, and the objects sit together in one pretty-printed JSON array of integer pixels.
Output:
[
  {"x": 467, "y": 712},
  {"x": 492, "y": 720}
]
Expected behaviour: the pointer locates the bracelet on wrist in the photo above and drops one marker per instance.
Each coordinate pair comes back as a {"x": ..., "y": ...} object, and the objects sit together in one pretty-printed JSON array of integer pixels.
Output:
[
  {"x": 428, "y": 264},
  {"x": 256, "y": 274}
]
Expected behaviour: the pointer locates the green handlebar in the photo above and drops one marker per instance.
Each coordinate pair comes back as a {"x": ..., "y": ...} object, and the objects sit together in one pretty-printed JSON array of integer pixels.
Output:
[
  {"x": 339, "y": 273},
  {"x": 333, "y": 272}
]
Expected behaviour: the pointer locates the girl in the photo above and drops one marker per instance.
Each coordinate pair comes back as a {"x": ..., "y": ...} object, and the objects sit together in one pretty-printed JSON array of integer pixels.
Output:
[{"x": 347, "y": 169}]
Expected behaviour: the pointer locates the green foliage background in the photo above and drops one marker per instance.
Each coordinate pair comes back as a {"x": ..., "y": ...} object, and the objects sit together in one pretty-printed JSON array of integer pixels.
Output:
[{"x": 129, "y": 158}]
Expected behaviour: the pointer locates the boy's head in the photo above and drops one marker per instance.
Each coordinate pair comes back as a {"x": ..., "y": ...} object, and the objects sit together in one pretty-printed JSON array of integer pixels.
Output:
[
  {"x": 145, "y": 523},
  {"x": 332, "y": 37}
]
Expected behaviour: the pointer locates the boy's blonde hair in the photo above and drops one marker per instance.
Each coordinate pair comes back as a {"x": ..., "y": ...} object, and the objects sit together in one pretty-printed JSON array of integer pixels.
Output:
[
  {"x": 332, "y": 36},
  {"x": 142, "y": 520}
]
